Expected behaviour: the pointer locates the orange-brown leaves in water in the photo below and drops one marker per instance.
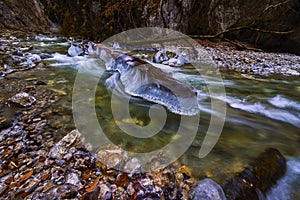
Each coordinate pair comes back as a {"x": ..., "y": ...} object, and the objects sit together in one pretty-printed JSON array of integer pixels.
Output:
[
  {"x": 86, "y": 174},
  {"x": 45, "y": 176},
  {"x": 134, "y": 196},
  {"x": 22, "y": 194},
  {"x": 25, "y": 177},
  {"x": 122, "y": 180},
  {"x": 22, "y": 179},
  {"x": 9, "y": 180},
  {"x": 92, "y": 186}
]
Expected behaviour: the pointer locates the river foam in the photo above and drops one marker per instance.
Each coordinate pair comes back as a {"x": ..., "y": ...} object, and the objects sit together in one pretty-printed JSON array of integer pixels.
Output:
[
  {"x": 280, "y": 101},
  {"x": 288, "y": 187},
  {"x": 265, "y": 110}
]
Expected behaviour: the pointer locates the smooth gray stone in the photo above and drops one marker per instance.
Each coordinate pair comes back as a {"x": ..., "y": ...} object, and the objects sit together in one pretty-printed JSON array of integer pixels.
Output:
[{"x": 207, "y": 189}]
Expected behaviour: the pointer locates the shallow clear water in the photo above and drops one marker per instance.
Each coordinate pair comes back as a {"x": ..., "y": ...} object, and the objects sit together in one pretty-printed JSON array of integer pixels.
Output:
[{"x": 261, "y": 112}]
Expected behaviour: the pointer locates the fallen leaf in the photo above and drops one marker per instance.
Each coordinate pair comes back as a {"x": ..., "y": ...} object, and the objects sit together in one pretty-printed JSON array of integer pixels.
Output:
[
  {"x": 9, "y": 180},
  {"x": 45, "y": 177},
  {"x": 134, "y": 196},
  {"x": 13, "y": 185},
  {"x": 86, "y": 175},
  {"x": 25, "y": 177},
  {"x": 22, "y": 194},
  {"x": 122, "y": 180},
  {"x": 92, "y": 186}
]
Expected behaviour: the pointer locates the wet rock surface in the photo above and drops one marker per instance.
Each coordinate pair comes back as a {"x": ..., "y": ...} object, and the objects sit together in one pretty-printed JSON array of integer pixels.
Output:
[
  {"x": 22, "y": 99},
  {"x": 257, "y": 178},
  {"x": 75, "y": 50}
]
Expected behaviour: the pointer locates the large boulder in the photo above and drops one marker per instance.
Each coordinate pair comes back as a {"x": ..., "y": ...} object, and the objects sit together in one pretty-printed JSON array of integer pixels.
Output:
[{"x": 258, "y": 177}]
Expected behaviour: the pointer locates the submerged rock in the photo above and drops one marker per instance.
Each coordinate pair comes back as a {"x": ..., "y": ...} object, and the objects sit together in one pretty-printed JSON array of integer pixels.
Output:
[
  {"x": 258, "y": 177},
  {"x": 72, "y": 139},
  {"x": 22, "y": 99},
  {"x": 207, "y": 189},
  {"x": 113, "y": 158}
]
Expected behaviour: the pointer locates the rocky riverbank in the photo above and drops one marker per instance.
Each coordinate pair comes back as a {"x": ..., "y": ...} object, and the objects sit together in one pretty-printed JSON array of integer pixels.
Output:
[{"x": 228, "y": 58}]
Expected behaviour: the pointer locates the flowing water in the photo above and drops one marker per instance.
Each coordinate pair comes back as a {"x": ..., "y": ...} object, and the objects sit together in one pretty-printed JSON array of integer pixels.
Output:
[{"x": 261, "y": 112}]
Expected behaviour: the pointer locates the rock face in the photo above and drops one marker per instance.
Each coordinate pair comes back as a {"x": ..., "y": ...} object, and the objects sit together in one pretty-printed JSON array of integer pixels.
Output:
[
  {"x": 23, "y": 15},
  {"x": 213, "y": 17},
  {"x": 256, "y": 22}
]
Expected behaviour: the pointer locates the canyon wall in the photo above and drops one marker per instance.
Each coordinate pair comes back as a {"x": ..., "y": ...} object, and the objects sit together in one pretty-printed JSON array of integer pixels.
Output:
[{"x": 264, "y": 23}]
